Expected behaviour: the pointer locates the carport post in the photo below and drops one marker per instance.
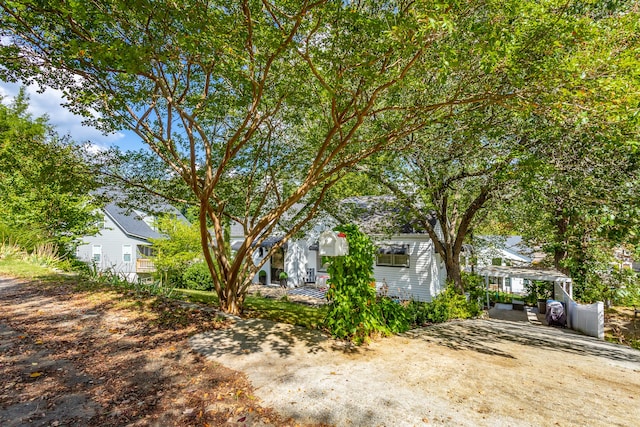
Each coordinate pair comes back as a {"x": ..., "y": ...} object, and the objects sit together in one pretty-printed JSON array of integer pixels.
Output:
[{"x": 486, "y": 283}]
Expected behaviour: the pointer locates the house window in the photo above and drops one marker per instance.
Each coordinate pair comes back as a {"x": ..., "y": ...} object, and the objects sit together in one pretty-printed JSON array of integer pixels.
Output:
[
  {"x": 393, "y": 256},
  {"x": 145, "y": 251},
  {"x": 96, "y": 253},
  {"x": 127, "y": 253}
]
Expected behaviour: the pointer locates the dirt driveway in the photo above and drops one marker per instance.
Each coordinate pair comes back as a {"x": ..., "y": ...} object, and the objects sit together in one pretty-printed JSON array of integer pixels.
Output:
[
  {"x": 480, "y": 372},
  {"x": 88, "y": 358}
]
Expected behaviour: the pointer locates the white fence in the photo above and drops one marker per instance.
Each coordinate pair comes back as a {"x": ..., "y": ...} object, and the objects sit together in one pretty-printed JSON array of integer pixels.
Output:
[{"x": 588, "y": 319}]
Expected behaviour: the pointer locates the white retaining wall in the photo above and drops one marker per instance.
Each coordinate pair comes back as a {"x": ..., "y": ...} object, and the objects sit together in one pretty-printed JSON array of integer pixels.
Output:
[{"x": 588, "y": 319}]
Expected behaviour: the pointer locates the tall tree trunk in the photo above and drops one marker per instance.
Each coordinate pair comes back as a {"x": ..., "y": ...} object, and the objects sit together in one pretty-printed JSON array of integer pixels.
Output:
[{"x": 454, "y": 274}]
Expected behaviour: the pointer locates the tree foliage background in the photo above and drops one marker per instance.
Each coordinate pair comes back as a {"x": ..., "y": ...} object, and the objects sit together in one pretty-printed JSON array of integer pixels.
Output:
[{"x": 45, "y": 182}]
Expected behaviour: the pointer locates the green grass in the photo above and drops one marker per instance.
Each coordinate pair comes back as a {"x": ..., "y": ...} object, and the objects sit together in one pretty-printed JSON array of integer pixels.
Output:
[
  {"x": 267, "y": 308},
  {"x": 264, "y": 308},
  {"x": 17, "y": 267}
]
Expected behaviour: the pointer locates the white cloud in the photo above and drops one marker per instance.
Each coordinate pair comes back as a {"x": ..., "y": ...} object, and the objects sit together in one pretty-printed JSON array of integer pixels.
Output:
[{"x": 64, "y": 121}]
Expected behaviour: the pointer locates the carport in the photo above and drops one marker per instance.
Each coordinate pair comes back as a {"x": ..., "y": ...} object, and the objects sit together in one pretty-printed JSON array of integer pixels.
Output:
[{"x": 529, "y": 273}]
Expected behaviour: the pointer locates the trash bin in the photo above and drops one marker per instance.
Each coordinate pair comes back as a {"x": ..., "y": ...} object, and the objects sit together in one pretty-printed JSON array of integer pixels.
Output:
[{"x": 542, "y": 306}]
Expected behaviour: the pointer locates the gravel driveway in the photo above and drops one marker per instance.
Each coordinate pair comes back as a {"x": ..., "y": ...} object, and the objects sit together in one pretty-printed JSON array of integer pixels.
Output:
[{"x": 478, "y": 372}]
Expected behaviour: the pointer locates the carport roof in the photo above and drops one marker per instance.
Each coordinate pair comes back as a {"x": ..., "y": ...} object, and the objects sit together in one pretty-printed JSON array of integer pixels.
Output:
[{"x": 524, "y": 273}]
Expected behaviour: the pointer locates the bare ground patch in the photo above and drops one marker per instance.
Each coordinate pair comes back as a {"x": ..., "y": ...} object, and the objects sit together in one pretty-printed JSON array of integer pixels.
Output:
[{"x": 104, "y": 358}]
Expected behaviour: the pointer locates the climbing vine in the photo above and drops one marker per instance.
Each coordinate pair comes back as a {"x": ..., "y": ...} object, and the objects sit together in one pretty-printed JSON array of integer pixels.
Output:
[{"x": 353, "y": 311}]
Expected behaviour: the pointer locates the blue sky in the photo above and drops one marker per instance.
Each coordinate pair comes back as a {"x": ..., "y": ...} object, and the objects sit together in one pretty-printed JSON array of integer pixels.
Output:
[{"x": 64, "y": 121}]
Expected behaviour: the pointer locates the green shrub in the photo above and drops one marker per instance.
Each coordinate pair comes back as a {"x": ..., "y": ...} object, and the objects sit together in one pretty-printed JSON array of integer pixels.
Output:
[
  {"x": 474, "y": 286},
  {"x": 537, "y": 289},
  {"x": 417, "y": 312},
  {"x": 449, "y": 304},
  {"x": 197, "y": 277},
  {"x": 501, "y": 297},
  {"x": 394, "y": 315}
]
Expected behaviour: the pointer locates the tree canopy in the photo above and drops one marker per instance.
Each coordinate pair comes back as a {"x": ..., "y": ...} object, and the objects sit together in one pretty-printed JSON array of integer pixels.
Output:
[
  {"x": 259, "y": 106},
  {"x": 44, "y": 181}
]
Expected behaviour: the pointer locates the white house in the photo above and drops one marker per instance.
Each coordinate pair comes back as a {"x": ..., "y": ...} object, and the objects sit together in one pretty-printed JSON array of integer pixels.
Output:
[
  {"x": 122, "y": 245},
  {"x": 508, "y": 251},
  {"x": 406, "y": 266}
]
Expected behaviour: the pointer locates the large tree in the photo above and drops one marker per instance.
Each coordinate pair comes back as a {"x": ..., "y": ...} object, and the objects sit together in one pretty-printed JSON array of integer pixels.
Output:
[
  {"x": 453, "y": 175},
  {"x": 463, "y": 169},
  {"x": 260, "y": 106},
  {"x": 582, "y": 201},
  {"x": 44, "y": 181}
]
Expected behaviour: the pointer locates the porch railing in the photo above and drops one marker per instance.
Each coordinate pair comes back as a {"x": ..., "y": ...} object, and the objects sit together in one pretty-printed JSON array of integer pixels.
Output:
[{"x": 144, "y": 265}]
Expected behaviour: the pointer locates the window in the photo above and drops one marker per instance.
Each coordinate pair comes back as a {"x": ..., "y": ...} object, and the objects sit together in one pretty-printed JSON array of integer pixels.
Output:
[
  {"x": 127, "y": 253},
  {"x": 96, "y": 253},
  {"x": 145, "y": 251},
  {"x": 393, "y": 256}
]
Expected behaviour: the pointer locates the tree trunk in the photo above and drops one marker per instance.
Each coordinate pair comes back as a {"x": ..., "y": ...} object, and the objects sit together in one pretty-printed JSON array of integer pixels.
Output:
[
  {"x": 233, "y": 303},
  {"x": 454, "y": 275},
  {"x": 228, "y": 279}
]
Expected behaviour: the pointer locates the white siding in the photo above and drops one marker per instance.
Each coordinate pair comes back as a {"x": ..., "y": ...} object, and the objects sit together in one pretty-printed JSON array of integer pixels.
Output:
[
  {"x": 112, "y": 239},
  {"x": 422, "y": 280}
]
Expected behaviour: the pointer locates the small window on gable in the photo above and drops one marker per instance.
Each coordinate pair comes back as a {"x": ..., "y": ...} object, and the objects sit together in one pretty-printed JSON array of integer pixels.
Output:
[
  {"x": 393, "y": 256},
  {"x": 127, "y": 253}
]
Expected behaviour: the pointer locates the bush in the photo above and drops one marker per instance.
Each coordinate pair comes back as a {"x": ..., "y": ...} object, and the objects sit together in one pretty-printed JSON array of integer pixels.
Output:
[
  {"x": 450, "y": 305},
  {"x": 417, "y": 312},
  {"x": 394, "y": 315},
  {"x": 537, "y": 289},
  {"x": 197, "y": 277},
  {"x": 475, "y": 288}
]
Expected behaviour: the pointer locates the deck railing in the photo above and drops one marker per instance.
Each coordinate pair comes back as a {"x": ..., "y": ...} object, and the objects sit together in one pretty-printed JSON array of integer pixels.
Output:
[{"x": 144, "y": 265}]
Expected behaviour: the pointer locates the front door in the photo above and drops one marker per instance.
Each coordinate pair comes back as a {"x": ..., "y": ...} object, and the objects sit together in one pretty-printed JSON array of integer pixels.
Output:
[{"x": 277, "y": 265}]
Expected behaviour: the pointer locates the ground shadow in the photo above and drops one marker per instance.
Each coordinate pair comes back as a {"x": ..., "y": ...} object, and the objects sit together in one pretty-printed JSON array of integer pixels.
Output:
[
  {"x": 484, "y": 336},
  {"x": 258, "y": 335}
]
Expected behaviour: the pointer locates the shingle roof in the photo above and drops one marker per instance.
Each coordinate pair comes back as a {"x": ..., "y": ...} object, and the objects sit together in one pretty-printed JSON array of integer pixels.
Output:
[
  {"x": 133, "y": 224},
  {"x": 381, "y": 215}
]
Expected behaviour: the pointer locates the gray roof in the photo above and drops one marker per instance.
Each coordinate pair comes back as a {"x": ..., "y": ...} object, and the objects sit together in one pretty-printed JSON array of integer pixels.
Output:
[
  {"x": 132, "y": 224},
  {"x": 381, "y": 215},
  {"x": 513, "y": 245}
]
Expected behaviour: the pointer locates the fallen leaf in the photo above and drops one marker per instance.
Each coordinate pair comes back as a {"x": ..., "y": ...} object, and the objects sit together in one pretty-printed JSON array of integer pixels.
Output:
[
  {"x": 242, "y": 419},
  {"x": 39, "y": 342},
  {"x": 35, "y": 374}
]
